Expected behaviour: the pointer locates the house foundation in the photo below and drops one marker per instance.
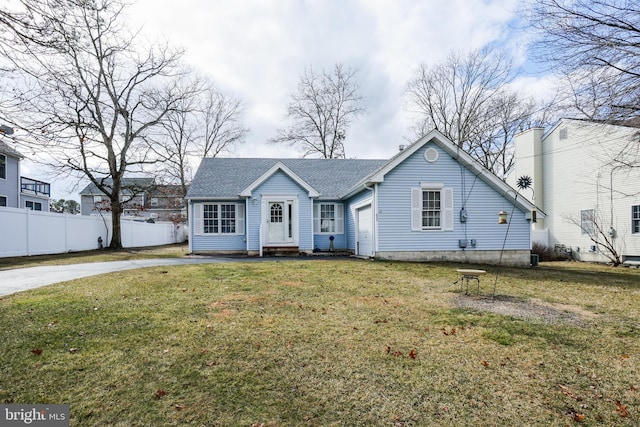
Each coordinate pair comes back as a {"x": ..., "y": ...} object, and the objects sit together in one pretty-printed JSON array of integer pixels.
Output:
[{"x": 512, "y": 258}]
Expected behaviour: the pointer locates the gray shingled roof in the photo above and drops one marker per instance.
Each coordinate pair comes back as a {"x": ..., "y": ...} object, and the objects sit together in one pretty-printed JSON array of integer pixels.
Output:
[
  {"x": 137, "y": 183},
  {"x": 228, "y": 177}
]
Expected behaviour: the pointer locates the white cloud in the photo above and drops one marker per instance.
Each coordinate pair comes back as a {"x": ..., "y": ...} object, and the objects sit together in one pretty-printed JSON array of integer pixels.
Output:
[{"x": 256, "y": 49}]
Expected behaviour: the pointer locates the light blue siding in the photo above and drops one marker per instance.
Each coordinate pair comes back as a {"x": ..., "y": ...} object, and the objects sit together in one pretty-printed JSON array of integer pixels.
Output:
[
  {"x": 481, "y": 201},
  {"x": 322, "y": 241},
  {"x": 351, "y": 228}
]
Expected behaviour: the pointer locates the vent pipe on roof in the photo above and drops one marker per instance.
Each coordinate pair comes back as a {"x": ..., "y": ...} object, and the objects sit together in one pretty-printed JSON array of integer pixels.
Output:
[{"x": 400, "y": 147}]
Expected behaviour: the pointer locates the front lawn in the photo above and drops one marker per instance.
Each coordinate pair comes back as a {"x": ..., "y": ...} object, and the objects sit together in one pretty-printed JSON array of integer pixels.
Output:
[{"x": 329, "y": 342}]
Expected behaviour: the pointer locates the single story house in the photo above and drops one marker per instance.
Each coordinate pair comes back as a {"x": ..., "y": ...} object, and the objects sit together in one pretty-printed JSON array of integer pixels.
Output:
[{"x": 430, "y": 202}]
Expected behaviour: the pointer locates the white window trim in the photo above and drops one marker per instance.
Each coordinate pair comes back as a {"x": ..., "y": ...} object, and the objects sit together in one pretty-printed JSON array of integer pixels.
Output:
[
  {"x": 634, "y": 233},
  {"x": 6, "y": 200},
  {"x": 338, "y": 209},
  {"x": 446, "y": 207},
  {"x": 198, "y": 219}
]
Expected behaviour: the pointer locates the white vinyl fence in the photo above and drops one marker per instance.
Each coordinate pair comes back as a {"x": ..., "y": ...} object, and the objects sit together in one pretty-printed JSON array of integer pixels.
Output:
[
  {"x": 540, "y": 236},
  {"x": 26, "y": 232}
]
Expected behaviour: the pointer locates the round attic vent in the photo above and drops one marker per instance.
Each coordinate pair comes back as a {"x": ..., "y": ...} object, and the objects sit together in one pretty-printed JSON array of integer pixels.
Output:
[{"x": 431, "y": 154}]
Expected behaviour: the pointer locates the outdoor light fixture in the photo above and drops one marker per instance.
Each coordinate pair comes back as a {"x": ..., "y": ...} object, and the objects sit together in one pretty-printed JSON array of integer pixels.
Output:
[{"x": 502, "y": 217}]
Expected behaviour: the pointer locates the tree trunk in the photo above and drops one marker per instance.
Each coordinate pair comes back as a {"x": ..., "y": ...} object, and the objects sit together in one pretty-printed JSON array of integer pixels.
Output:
[{"x": 116, "y": 230}]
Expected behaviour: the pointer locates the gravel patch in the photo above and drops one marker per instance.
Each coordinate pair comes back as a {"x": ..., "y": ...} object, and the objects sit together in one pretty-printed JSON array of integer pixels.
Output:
[{"x": 525, "y": 309}]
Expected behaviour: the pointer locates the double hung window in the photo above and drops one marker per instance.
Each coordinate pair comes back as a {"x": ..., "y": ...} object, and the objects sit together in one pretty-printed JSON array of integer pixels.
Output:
[
  {"x": 328, "y": 218},
  {"x": 587, "y": 222},
  {"x": 432, "y": 208},
  {"x": 635, "y": 219}
]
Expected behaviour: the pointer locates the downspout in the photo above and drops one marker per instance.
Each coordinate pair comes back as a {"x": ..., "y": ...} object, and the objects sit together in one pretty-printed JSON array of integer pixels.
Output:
[
  {"x": 374, "y": 214},
  {"x": 611, "y": 229},
  {"x": 19, "y": 181},
  {"x": 246, "y": 223},
  {"x": 375, "y": 219},
  {"x": 190, "y": 224},
  {"x": 313, "y": 235}
]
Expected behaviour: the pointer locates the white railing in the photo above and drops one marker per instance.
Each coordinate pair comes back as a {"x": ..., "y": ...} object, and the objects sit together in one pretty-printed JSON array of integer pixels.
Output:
[{"x": 25, "y": 232}]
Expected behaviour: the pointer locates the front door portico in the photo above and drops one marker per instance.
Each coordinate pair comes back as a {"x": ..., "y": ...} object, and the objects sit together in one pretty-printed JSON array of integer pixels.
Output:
[{"x": 281, "y": 222}]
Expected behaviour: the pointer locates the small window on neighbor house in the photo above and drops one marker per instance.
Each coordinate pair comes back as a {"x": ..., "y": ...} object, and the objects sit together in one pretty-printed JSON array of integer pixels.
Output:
[
  {"x": 34, "y": 206},
  {"x": 154, "y": 201},
  {"x": 3, "y": 166},
  {"x": 564, "y": 133},
  {"x": 635, "y": 219},
  {"x": 3, "y": 200},
  {"x": 587, "y": 221}
]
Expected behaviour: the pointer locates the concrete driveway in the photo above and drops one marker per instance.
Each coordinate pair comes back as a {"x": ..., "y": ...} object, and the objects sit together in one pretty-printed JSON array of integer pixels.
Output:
[{"x": 21, "y": 279}]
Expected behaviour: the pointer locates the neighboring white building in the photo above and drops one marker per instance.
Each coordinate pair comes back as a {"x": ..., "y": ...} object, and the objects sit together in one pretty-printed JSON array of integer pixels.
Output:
[
  {"x": 585, "y": 175},
  {"x": 18, "y": 191}
]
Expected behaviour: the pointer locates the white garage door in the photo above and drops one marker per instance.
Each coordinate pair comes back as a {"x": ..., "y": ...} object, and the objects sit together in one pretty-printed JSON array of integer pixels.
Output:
[{"x": 365, "y": 231}]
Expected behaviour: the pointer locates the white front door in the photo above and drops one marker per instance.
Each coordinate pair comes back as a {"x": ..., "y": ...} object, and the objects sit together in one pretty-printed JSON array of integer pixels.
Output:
[
  {"x": 365, "y": 231},
  {"x": 281, "y": 223}
]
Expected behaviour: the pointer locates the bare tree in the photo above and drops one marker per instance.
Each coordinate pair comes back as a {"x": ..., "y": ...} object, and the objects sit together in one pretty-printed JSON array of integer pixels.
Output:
[
  {"x": 595, "y": 44},
  {"x": 322, "y": 110},
  {"x": 221, "y": 123},
  {"x": 173, "y": 145},
  {"x": 602, "y": 236},
  {"x": 467, "y": 99},
  {"x": 206, "y": 125},
  {"x": 87, "y": 91}
]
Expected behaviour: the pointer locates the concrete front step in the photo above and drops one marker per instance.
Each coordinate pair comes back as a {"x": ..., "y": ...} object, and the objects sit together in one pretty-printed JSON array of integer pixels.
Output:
[{"x": 281, "y": 251}]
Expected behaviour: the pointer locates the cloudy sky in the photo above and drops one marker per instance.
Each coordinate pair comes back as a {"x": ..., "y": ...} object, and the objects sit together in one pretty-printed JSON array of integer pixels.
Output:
[{"x": 257, "y": 49}]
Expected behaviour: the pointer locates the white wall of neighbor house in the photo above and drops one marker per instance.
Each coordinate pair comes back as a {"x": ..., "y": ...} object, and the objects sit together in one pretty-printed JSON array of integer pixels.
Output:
[
  {"x": 579, "y": 166},
  {"x": 528, "y": 162},
  {"x": 26, "y": 232}
]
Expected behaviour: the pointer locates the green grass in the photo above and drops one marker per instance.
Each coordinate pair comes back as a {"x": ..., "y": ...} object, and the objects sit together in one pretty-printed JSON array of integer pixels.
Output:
[{"x": 322, "y": 343}]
